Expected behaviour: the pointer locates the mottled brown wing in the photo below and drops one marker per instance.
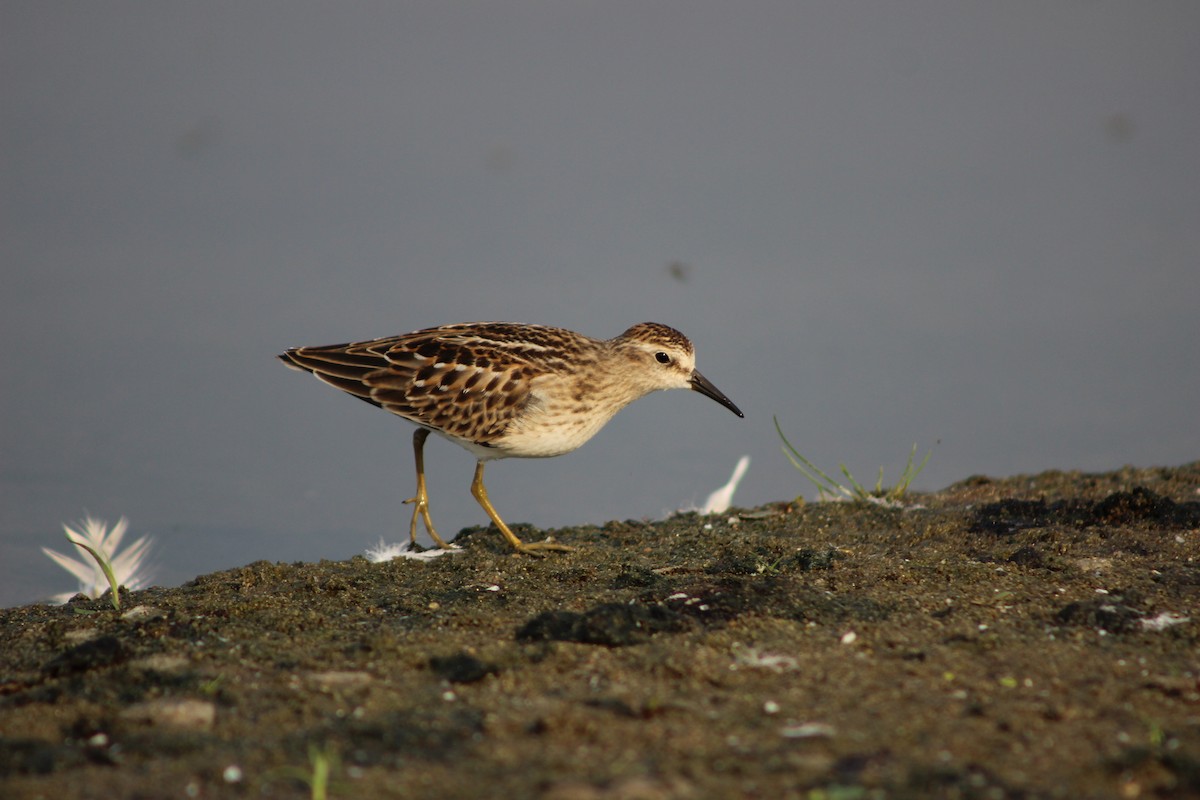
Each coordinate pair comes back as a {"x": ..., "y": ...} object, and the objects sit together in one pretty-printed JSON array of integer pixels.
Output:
[
  {"x": 341, "y": 365},
  {"x": 469, "y": 381}
]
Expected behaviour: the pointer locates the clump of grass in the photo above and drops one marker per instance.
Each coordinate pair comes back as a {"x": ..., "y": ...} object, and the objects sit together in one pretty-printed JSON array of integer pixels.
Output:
[
  {"x": 828, "y": 488},
  {"x": 108, "y": 569}
]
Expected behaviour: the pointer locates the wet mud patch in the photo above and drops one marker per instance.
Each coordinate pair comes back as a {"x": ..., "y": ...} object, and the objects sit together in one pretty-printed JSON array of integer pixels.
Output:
[
  {"x": 1110, "y": 614},
  {"x": 398, "y": 736},
  {"x": 1030, "y": 637},
  {"x": 103, "y": 651},
  {"x": 611, "y": 624},
  {"x": 461, "y": 668},
  {"x": 1140, "y": 507}
]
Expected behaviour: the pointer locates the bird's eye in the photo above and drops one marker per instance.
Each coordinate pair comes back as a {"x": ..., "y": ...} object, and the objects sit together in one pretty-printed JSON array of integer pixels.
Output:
[{"x": 662, "y": 358}]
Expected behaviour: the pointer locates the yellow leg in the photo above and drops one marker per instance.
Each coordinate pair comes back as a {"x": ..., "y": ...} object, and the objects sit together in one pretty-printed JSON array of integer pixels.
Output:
[
  {"x": 479, "y": 492},
  {"x": 421, "y": 501}
]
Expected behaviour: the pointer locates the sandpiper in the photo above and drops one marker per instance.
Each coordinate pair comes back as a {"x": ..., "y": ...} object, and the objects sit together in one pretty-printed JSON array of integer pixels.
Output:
[{"x": 506, "y": 390}]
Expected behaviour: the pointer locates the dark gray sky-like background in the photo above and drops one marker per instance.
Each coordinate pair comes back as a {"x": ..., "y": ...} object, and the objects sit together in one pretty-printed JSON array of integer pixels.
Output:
[{"x": 977, "y": 223}]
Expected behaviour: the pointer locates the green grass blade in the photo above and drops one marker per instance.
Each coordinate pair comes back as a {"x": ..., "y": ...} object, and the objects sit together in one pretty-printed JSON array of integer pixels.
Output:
[
  {"x": 106, "y": 567},
  {"x": 859, "y": 492},
  {"x": 825, "y": 484}
]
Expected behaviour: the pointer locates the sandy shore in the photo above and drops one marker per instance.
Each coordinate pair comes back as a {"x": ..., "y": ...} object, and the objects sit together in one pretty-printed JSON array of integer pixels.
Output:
[{"x": 1034, "y": 636}]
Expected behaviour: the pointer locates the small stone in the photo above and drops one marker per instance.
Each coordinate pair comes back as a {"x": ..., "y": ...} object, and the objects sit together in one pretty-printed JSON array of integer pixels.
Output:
[{"x": 170, "y": 712}]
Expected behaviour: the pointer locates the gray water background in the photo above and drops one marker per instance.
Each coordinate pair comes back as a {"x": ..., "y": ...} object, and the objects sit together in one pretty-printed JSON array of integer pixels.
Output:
[{"x": 969, "y": 224}]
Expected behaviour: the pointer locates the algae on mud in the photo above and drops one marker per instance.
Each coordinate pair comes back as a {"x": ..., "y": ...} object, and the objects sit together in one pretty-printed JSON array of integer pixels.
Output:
[{"x": 1028, "y": 637}]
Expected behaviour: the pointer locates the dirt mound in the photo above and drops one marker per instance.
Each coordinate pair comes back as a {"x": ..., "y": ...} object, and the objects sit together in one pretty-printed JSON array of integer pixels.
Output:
[{"x": 1028, "y": 637}]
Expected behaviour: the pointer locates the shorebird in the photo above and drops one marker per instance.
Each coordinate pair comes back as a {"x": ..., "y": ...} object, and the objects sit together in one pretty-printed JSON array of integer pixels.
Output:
[{"x": 506, "y": 390}]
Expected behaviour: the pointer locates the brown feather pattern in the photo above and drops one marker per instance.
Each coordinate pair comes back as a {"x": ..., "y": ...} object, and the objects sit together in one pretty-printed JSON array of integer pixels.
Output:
[
  {"x": 525, "y": 390},
  {"x": 469, "y": 381}
]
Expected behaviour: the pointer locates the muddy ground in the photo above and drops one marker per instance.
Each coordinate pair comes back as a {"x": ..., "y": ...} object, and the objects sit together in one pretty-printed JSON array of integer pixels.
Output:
[{"x": 1028, "y": 637}]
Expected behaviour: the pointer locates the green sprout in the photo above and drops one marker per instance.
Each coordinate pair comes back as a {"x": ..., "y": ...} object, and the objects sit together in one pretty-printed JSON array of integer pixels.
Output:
[
  {"x": 323, "y": 762},
  {"x": 109, "y": 569},
  {"x": 828, "y": 488},
  {"x": 105, "y": 564}
]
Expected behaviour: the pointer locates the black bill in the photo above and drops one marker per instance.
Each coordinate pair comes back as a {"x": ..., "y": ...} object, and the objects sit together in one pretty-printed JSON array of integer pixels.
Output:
[{"x": 704, "y": 386}]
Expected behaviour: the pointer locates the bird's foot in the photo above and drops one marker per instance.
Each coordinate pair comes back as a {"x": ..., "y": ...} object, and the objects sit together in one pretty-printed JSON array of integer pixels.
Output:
[
  {"x": 542, "y": 549},
  {"x": 420, "y": 505}
]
